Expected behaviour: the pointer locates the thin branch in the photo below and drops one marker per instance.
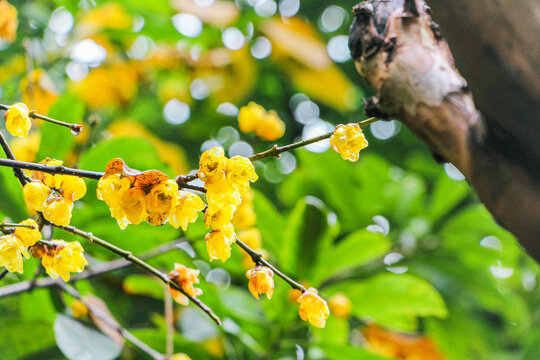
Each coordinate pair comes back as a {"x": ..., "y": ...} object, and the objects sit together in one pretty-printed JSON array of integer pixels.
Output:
[
  {"x": 139, "y": 262},
  {"x": 3, "y": 274},
  {"x": 59, "y": 169},
  {"x": 9, "y": 225},
  {"x": 169, "y": 322},
  {"x": 259, "y": 260},
  {"x": 75, "y": 128},
  {"x": 113, "y": 324},
  {"x": 276, "y": 150},
  {"x": 96, "y": 270},
  {"x": 23, "y": 179}
]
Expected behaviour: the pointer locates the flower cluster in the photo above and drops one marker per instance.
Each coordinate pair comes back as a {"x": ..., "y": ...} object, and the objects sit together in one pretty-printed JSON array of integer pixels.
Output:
[
  {"x": 8, "y": 21},
  {"x": 226, "y": 181},
  {"x": 265, "y": 124},
  {"x": 133, "y": 201},
  {"x": 14, "y": 246},
  {"x": 184, "y": 277},
  {"x": 53, "y": 194},
  {"x": 63, "y": 258},
  {"x": 348, "y": 140},
  {"x": 18, "y": 121},
  {"x": 313, "y": 308},
  {"x": 261, "y": 281}
]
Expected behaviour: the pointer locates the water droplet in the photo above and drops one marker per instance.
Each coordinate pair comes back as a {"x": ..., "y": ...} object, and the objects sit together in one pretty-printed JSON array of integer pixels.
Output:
[{"x": 76, "y": 129}]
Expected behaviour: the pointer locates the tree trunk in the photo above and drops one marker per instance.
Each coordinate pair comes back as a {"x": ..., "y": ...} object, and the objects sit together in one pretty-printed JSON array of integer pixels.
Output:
[{"x": 399, "y": 50}]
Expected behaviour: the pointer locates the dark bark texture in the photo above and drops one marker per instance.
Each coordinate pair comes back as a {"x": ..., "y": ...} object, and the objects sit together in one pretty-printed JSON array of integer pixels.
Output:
[{"x": 398, "y": 48}]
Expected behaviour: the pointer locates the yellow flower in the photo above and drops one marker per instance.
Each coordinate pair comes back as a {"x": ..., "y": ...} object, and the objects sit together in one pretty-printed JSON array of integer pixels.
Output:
[
  {"x": 18, "y": 121},
  {"x": 253, "y": 239},
  {"x": 8, "y": 21},
  {"x": 313, "y": 308},
  {"x": 28, "y": 236},
  {"x": 108, "y": 16},
  {"x": 249, "y": 116},
  {"x": 219, "y": 217},
  {"x": 187, "y": 210},
  {"x": 218, "y": 243},
  {"x": 245, "y": 216},
  {"x": 78, "y": 309},
  {"x": 26, "y": 149},
  {"x": 38, "y": 90},
  {"x": 160, "y": 201},
  {"x": 212, "y": 164},
  {"x": 261, "y": 281},
  {"x": 222, "y": 192},
  {"x": 67, "y": 257},
  {"x": 11, "y": 250},
  {"x": 58, "y": 211},
  {"x": 180, "y": 356},
  {"x": 185, "y": 278},
  {"x": 51, "y": 180},
  {"x": 110, "y": 188},
  {"x": 73, "y": 187},
  {"x": 35, "y": 195},
  {"x": 240, "y": 171},
  {"x": 348, "y": 140},
  {"x": 266, "y": 125},
  {"x": 340, "y": 305},
  {"x": 133, "y": 202}
]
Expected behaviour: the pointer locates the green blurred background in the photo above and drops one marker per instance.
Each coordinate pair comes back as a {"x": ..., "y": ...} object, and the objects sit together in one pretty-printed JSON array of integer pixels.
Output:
[{"x": 428, "y": 272}]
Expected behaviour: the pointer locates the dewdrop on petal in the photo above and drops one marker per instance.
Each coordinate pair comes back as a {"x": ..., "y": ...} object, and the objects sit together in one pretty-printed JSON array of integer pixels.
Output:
[
  {"x": 18, "y": 121},
  {"x": 348, "y": 140}
]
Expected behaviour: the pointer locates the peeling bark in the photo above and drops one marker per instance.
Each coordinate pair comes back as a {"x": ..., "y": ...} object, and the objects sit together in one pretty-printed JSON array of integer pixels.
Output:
[{"x": 399, "y": 50}]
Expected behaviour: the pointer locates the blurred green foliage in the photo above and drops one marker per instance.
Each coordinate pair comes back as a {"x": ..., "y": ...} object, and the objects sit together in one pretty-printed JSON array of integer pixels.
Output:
[{"x": 403, "y": 239}]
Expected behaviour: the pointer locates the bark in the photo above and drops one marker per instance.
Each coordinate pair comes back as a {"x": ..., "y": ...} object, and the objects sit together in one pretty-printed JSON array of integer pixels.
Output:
[{"x": 399, "y": 50}]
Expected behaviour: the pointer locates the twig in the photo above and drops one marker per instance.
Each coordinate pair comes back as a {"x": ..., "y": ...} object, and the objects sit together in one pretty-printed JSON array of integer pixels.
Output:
[
  {"x": 3, "y": 274},
  {"x": 9, "y": 154},
  {"x": 258, "y": 259},
  {"x": 75, "y": 128},
  {"x": 59, "y": 169},
  {"x": 7, "y": 225},
  {"x": 276, "y": 150},
  {"x": 97, "y": 270},
  {"x": 169, "y": 322},
  {"x": 113, "y": 324},
  {"x": 139, "y": 262}
]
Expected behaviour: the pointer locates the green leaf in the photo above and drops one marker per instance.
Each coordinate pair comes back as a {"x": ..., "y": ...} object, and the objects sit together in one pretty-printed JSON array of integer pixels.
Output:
[
  {"x": 269, "y": 222},
  {"x": 58, "y": 140},
  {"x": 20, "y": 338},
  {"x": 447, "y": 194},
  {"x": 79, "y": 342},
  {"x": 353, "y": 251},
  {"x": 143, "y": 285},
  {"x": 391, "y": 299},
  {"x": 11, "y": 195},
  {"x": 309, "y": 232},
  {"x": 340, "y": 352}
]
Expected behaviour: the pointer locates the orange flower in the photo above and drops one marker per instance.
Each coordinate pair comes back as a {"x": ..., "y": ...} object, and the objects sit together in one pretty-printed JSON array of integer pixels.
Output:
[
  {"x": 261, "y": 281},
  {"x": 313, "y": 308},
  {"x": 185, "y": 278},
  {"x": 8, "y": 21},
  {"x": 340, "y": 305}
]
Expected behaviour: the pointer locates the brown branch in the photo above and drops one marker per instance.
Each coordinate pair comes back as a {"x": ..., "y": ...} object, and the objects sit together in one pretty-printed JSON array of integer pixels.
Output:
[
  {"x": 96, "y": 270},
  {"x": 74, "y": 128},
  {"x": 399, "y": 50},
  {"x": 23, "y": 179},
  {"x": 113, "y": 324}
]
